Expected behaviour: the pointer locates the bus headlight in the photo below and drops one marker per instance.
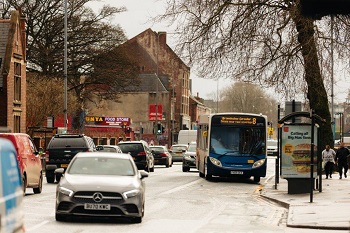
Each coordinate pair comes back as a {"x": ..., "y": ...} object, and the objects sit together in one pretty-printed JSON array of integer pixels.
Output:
[
  {"x": 259, "y": 163},
  {"x": 215, "y": 161}
]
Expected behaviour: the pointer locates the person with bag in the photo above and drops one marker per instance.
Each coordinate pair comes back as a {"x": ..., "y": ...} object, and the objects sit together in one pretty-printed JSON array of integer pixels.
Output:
[
  {"x": 328, "y": 159},
  {"x": 341, "y": 159}
]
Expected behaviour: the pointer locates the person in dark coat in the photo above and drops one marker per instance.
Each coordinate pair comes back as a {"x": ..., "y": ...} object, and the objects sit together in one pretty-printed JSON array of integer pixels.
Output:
[{"x": 341, "y": 159}]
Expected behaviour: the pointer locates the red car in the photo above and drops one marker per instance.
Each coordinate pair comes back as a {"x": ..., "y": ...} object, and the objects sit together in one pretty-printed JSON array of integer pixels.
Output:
[{"x": 29, "y": 160}]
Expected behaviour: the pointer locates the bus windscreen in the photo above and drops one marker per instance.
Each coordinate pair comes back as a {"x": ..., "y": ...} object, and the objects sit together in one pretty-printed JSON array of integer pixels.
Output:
[{"x": 238, "y": 135}]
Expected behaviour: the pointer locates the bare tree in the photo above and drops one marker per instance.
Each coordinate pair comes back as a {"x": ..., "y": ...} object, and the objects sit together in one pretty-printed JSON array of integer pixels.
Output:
[
  {"x": 90, "y": 38},
  {"x": 266, "y": 42},
  {"x": 246, "y": 97},
  {"x": 45, "y": 98}
]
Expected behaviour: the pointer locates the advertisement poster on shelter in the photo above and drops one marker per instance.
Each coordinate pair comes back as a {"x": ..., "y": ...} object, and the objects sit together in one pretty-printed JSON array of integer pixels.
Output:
[{"x": 296, "y": 151}]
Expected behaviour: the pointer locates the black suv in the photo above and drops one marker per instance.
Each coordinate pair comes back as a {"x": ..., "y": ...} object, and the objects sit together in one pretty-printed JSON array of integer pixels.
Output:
[
  {"x": 61, "y": 150},
  {"x": 140, "y": 152}
]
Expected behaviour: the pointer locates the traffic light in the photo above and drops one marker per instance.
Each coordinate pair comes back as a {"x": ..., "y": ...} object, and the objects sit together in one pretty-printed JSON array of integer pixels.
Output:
[{"x": 159, "y": 128}]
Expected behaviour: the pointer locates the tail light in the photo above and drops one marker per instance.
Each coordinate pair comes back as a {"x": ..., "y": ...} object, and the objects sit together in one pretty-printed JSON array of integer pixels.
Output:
[
  {"x": 141, "y": 153},
  {"x": 47, "y": 156},
  {"x": 162, "y": 154}
]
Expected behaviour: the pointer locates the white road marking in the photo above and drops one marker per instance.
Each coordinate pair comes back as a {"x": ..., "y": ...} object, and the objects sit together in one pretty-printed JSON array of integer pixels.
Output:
[
  {"x": 181, "y": 187},
  {"x": 37, "y": 226}
]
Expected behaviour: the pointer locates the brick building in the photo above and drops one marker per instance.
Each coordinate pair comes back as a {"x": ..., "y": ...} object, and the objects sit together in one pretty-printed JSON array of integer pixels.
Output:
[
  {"x": 13, "y": 73},
  {"x": 162, "y": 72}
]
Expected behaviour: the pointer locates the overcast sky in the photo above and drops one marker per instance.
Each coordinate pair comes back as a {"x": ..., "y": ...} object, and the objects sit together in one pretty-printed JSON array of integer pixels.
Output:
[{"x": 137, "y": 19}]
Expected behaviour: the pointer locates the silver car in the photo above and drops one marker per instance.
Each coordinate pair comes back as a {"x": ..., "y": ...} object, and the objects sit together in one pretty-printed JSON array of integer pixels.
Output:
[
  {"x": 101, "y": 184},
  {"x": 108, "y": 148},
  {"x": 177, "y": 151}
]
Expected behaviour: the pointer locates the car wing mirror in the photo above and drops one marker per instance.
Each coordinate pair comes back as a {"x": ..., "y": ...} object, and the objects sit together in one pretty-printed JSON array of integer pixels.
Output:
[
  {"x": 59, "y": 171},
  {"x": 143, "y": 174}
]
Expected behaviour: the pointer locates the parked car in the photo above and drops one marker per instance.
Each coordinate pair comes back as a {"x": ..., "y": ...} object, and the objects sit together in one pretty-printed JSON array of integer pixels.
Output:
[
  {"x": 161, "y": 156},
  {"x": 272, "y": 147},
  {"x": 109, "y": 148},
  {"x": 11, "y": 192},
  {"x": 177, "y": 151},
  {"x": 112, "y": 187},
  {"x": 29, "y": 161},
  {"x": 140, "y": 152},
  {"x": 189, "y": 158},
  {"x": 61, "y": 150}
]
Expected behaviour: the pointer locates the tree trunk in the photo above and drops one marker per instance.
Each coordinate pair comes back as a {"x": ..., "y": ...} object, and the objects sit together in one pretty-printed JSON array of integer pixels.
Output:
[{"x": 316, "y": 93}]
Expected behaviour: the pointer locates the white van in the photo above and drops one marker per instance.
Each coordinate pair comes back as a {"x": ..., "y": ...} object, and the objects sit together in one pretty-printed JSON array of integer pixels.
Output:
[
  {"x": 11, "y": 192},
  {"x": 272, "y": 147},
  {"x": 187, "y": 136}
]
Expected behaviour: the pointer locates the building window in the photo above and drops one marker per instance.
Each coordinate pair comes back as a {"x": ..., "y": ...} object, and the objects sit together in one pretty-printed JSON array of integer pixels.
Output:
[
  {"x": 16, "y": 124},
  {"x": 17, "y": 86}
]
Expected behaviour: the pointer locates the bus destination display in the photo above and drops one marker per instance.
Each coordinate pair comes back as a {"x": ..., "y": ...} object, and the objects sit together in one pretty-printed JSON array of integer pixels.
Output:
[{"x": 237, "y": 120}]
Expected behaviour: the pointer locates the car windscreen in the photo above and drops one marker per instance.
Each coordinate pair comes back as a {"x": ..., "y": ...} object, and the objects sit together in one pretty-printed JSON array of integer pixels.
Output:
[
  {"x": 68, "y": 142},
  {"x": 271, "y": 143},
  {"x": 131, "y": 147},
  {"x": 108, "y": 149},
  {"x": 157, "y": 149},
  {"x": 192, "y": 148},
  {"x": 101, "y": 166},
  {"x": 179, "y": 148}
]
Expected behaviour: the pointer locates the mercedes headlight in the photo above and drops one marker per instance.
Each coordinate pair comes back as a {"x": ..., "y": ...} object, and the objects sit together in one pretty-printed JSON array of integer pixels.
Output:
[
  {"x": 131, "y": 193},
  {"x": 215, "y": 161},
  {"x": 65, "y": 191},
  {"x": 258, "y": 163}
]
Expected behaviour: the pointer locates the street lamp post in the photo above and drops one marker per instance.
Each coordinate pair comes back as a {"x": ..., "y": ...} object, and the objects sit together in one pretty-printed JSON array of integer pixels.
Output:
[
  {"x": 173, "y": 115},
  {"x": 158, "y": 80},
  {"x": 65, "y": 66},
  {"x": 332, "y": 76},
  {"x": 157, "y": 85}
]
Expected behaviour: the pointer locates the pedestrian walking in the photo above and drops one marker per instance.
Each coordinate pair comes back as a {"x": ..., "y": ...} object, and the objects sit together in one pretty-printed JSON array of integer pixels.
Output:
[
  {"x": 341, "y": 159},
  {"x": 328, "y": 155}
]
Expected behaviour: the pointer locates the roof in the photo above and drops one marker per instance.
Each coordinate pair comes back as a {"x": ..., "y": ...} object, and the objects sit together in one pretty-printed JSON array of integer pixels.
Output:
[
  {"x": 148, "y": 83},
  {"x": 103, "y": 154},
  {"x": 166, "y": 46}
]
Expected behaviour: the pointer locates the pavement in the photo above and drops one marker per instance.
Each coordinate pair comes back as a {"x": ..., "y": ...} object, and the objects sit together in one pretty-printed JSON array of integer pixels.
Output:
[{"x": 328, "y": 209}]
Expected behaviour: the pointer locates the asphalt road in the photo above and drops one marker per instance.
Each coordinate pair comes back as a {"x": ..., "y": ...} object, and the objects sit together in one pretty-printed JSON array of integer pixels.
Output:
[{"x": 175, "y": 202}]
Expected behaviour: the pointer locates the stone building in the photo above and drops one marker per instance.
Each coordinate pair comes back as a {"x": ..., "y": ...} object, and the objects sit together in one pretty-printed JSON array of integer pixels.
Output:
[{"x": 13, "y": 73}]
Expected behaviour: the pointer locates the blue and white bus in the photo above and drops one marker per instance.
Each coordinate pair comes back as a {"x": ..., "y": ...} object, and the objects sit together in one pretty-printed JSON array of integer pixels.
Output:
[{"x": 232, "y": 144}]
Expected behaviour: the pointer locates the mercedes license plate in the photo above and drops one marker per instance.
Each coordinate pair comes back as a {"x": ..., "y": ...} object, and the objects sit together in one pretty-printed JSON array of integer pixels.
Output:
[
  {"x": 89, "y": 206},
  {"x": 236, "y": 172}
]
